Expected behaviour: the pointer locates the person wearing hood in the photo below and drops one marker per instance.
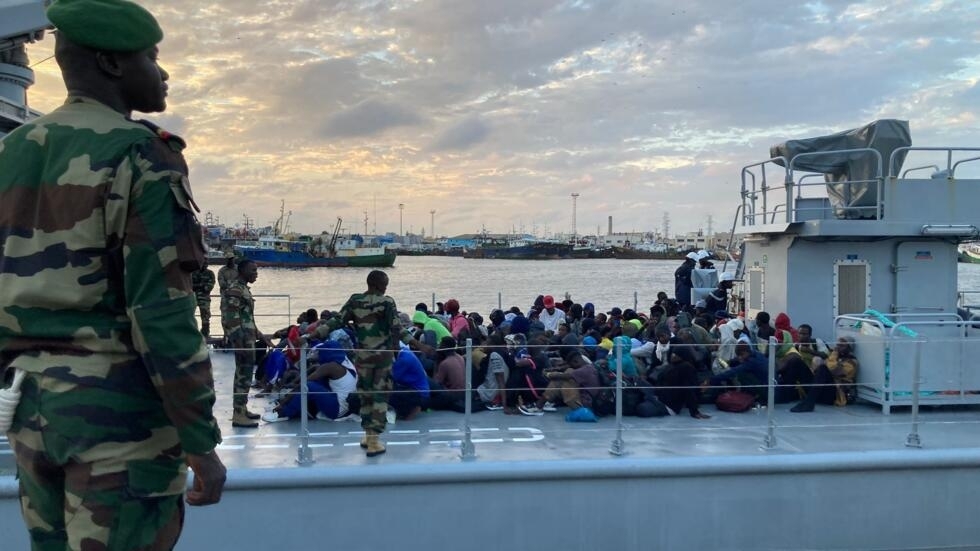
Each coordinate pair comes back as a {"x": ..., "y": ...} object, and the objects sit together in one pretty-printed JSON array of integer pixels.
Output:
[
  {"x": 625, "y": 344},
  {"x": 718, "y": 298},
  {"x": 783, "y": 324},
  {"x": 682, "y": 280}
]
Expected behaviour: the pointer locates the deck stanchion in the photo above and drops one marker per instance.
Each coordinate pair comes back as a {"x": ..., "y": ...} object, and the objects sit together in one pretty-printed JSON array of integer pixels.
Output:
[
  {"x": 468, "y": 449},
  {"x": 912, "y": 440},
  {"x": 304, "y": 455},
  {"x": 433, "y": 302},
  {"x": 500, "y": 300},
  {"x": 618, "y": 447},
  {"x": 636, "y": 300},
  {"x": 770, "y": 440}
]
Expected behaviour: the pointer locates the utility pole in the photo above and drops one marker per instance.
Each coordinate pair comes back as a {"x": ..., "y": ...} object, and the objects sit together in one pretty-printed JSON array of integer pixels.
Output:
[
  {"x": 432, "y": 224},
  {"x": 401, "y": 211},
  {"x": 574, "y": 213}
]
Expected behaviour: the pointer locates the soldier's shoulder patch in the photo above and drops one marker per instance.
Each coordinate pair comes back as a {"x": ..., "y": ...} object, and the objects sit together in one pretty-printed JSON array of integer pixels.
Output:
[{"x": 173, "y": 140}]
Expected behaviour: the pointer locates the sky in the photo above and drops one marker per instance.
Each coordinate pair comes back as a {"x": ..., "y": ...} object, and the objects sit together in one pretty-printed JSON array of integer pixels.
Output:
[{"x": 493, "y": 113}]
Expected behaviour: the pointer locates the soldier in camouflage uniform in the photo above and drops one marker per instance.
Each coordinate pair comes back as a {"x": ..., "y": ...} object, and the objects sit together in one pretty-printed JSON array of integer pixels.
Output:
[
  {"x": 227, "y": 275},
  {"x": 97, "y": 243},
  {"x": 238, "y": 317},
  {"x": 379, "y": 331},
  {"x": 202, "y": 282}
]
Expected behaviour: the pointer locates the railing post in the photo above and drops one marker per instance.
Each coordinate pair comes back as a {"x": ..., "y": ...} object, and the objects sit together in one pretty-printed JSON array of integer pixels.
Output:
[
  {"x": 433, "y": 302},
  {"x": 618, "y": 447},
  {"x": 304, "y": 455},
  {"x": 500, "y": 301},
  {"x": 468, "y": 449},
  {"x": 912, "y": 440},
  {"x": 636, "y": 300},
  {"x": 770, "y": 440}
]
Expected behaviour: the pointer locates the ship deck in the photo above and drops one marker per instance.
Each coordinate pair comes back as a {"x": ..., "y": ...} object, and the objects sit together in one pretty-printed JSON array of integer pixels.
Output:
[{"x": 435, "y": 437}]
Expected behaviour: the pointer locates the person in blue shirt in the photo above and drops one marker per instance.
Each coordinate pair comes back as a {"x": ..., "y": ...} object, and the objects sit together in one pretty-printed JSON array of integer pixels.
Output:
[
  {"x": 749, "y": 369},
  {"x": 411, "y": 385}
]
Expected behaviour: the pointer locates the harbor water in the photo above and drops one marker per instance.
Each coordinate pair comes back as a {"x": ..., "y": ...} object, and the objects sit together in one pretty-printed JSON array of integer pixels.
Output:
[{"x": 479, "y": 285}]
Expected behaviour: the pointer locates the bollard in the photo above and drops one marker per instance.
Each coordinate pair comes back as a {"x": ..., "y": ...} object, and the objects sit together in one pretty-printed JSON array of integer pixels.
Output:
[
  {"x": 770, "y": 439},
  {"x": 618, "y": 447},
  {"x": 912, "y": 440},
  {"x": 468, "y": 449},
  {"x": 304, "y": 455}
]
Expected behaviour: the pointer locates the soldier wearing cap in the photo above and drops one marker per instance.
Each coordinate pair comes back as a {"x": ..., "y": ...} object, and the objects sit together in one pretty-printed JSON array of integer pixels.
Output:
[{"x": 98, "y": 240}]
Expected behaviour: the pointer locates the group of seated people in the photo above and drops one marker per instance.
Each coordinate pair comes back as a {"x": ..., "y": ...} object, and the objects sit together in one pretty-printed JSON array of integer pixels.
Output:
[{"x": 567, "y": 354}]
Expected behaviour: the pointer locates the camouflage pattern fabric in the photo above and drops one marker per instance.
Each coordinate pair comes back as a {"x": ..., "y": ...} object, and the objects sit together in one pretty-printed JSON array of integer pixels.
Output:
[
  {"x": 124, "y": 496},
  {"x": 97, "y": 242},
  {"x": 238, "y": 319},
  {"x": 379, "y": 331},
  {"x": 226, "y": 276},
  {"x": 202, "y": 281}
]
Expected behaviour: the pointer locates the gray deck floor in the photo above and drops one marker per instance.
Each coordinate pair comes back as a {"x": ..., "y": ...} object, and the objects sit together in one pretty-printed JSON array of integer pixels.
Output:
[{"x": 434, "y": 438}]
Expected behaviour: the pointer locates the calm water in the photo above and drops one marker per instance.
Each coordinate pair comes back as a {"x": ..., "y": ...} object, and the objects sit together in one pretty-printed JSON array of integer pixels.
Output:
[{"x": 476, "y": 283}]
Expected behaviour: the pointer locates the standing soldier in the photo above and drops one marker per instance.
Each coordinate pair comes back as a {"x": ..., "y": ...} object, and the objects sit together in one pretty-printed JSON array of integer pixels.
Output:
[
  {"x": 227, "y": 275},
  {"x": 98, "y": 239},
  {"x": 378, "y": 330},
  {"x": 238, "y": 318},
  {"x": 203, "y": 283}
]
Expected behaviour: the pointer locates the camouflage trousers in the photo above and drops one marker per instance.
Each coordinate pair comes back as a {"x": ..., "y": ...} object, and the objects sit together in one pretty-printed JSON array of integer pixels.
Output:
[
  {"x": 373, "y": 387},
  {"x": 204, "y": 305},
  {"x": 244, "y": 368},
  {"x": 98, "y": 469}
]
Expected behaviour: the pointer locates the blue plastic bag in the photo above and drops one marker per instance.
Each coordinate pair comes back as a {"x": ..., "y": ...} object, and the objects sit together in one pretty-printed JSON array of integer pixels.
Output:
[{"x": 581, "y": 415}]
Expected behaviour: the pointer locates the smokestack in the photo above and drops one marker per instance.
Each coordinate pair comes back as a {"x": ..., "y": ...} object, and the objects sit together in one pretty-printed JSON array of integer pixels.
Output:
[{"x": 610, "y": 225}]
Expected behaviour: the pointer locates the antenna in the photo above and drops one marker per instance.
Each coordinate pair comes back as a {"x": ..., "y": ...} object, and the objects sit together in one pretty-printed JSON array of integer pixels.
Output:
[
  {"x": 574, "y": 213},
  {"x": 365, "y": 222}
]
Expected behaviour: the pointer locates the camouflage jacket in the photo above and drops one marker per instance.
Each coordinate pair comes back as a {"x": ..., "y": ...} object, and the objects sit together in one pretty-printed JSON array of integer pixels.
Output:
[
  {"x": 226, "y": 276},
  {"x": 202, "y": 281},
  {"x": 375, "y": 319},
  {"x": 97, "y": 243},
  {"x": 238, "y": 313}
]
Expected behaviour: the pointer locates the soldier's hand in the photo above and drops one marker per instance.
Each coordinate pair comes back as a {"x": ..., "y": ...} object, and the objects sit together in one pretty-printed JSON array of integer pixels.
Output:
[{"x": 209, "y": 479}]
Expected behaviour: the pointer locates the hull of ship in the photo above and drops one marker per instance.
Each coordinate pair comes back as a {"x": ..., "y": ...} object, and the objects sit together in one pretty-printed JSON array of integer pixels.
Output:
[
  {"x": 606, "y": 252},
  {"x": 385, "y": 260},
  {"x": 529, "y": 252},
  {"x": 290, "y": 259},
  {"x": 635, "y": 254},
  {"x": 969, "y": 257}
]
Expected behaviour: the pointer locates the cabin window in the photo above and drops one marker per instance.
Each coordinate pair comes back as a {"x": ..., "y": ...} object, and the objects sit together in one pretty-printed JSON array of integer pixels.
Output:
[
  {"x": 852, "y": 287},
  {"x": 756, "y": 298}
]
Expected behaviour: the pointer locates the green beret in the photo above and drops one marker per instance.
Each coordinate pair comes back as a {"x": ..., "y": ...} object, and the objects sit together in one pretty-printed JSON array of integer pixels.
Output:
[{"x": 113, "y": 25}]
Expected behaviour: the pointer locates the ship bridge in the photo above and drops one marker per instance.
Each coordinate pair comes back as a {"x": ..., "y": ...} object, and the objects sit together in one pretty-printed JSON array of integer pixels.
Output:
[{"x": 21, "y": 22}]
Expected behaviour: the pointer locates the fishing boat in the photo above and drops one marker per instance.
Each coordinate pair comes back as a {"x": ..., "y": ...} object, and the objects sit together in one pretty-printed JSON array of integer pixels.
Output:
[
  {"x": 279, "y": 251},
  {"x": 969, "y": 253}
]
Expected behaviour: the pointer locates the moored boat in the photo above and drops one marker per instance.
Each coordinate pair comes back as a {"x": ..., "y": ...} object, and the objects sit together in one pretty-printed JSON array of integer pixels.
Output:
[
  {"x": 969, "y": 253},
  {"x": 520, "y": 249}
]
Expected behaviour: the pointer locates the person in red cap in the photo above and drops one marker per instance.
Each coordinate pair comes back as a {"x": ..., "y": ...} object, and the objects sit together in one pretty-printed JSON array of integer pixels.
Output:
[
  {"x": 551, "y": 317},
  {"x": 457, "y": 321}
]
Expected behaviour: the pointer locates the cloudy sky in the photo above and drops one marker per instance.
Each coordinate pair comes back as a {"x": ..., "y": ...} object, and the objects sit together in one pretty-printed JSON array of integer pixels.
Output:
[{"x": 493, "y": 112}]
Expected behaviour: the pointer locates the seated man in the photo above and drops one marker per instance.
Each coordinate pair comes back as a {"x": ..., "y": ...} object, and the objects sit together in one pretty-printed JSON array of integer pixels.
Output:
[
  {"x": 833, "y": 378},
  {"x": 330, "y": 382},
  {"x": 749, "y": 369},
  {"x": 572, "y": 381}
]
